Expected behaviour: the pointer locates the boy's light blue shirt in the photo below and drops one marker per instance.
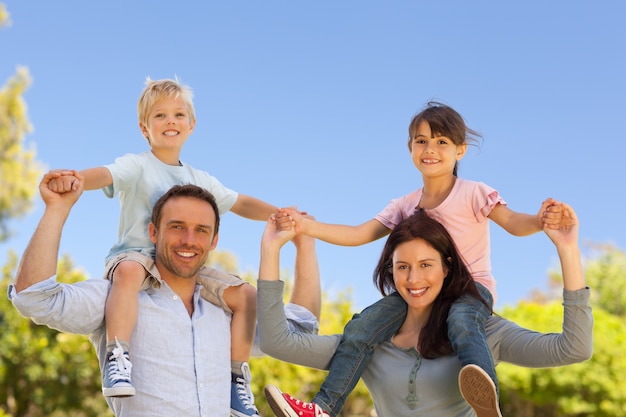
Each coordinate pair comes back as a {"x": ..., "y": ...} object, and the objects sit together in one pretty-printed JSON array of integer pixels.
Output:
[{"x": 140, "y": 180}]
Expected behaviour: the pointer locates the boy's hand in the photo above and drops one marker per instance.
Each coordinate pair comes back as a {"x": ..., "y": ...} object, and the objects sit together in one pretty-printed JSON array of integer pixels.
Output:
[{"x": 62, "y": 181}]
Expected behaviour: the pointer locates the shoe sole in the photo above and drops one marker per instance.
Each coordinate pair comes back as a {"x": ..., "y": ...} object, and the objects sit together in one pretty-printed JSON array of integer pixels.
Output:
[
  {"x": 235, "y": 413},
  {"x": 479, "y": 391},
  {"x": 277, "y": 403},
  {"x": 127, "y": 391}
]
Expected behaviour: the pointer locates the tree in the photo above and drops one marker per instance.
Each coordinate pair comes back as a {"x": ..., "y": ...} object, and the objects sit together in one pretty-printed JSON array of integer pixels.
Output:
[
  {"x": 606, "y": 274},
  {"x": 596, "y": 387},
  {"x": 19, "y": 172},
  {"x": 44, "y": 372}
]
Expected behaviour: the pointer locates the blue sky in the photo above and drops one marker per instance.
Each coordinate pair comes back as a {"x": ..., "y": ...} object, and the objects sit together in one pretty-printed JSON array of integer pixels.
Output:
[{"x": 308, "y": 103}]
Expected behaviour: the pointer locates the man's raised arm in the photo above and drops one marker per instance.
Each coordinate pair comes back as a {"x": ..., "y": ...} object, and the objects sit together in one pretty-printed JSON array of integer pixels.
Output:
[{"x": 40, "y": 257}]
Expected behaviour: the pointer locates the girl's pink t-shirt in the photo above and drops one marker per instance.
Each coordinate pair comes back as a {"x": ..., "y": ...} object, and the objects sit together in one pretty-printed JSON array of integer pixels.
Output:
[{"x": 464, "y": 214}]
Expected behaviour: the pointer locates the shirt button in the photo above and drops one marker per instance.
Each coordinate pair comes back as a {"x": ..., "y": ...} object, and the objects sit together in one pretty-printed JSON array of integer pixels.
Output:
[{"x": 175, "y": 297}]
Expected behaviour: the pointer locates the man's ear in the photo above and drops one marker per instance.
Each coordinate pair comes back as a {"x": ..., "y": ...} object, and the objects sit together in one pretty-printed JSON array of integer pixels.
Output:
[
  {"x": 214, "y": 242},
  {"x": 152, "y": 232}
]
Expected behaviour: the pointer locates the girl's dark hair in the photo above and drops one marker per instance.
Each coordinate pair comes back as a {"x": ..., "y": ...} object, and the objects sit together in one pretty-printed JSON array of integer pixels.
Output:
[
  {"x": 434, "y": 341},
  {"x": 443, "y": 121}
]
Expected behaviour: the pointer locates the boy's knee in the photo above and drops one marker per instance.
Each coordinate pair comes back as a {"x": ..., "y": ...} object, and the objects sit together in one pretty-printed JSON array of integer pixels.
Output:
[
  {"x": 241, "y": 297},
  {"x": 129, "y": 273}
]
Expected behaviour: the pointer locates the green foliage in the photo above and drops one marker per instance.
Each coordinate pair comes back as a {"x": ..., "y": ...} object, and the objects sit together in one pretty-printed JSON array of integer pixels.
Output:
[
  {"x": 593, "y": 388},
  {"x": 44, "y": 372},
  {"x": 19, "y": 171},
  {"x": 606, "y": 274}
]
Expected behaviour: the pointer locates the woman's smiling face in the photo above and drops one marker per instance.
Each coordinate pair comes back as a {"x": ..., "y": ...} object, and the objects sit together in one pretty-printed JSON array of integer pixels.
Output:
[{"x": 418, "y": 273}]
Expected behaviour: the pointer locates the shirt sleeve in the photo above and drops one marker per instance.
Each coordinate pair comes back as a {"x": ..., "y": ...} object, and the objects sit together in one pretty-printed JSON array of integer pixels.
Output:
[
  {"x": 523, "y": 347},
  {"x": 485, "y": 198},
  {"x": 224, "y": 196},
  {"x": 125, "y": 169},
  {"x": 285, "y": 342},
  {"x": 399, "y": 209},
  {"x": 71, "y": 308}
]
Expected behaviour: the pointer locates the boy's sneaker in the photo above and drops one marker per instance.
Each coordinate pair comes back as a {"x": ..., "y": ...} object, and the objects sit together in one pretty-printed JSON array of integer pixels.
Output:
[
  {"x": 284, "y": 405},
  {"x": 117, "y": 374},
  {"x": 241, "y": 397},
  {"x": 479, "y": 391}
]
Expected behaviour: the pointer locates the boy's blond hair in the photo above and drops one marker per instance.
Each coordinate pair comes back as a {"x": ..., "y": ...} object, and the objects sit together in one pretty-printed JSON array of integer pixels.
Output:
[{"x": 160, "y": 89}]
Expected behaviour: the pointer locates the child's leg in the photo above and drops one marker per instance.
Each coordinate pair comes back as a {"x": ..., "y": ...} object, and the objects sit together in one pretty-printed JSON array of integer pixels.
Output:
[
  {"x": 466, "y": 330},
  {"x": 374, "y": 325},
  {"x": 237, "y": 297},
  {"x": 242, "y": 301},
  {"x": 121, "y": 316},
  {"x": 122, "y": 304}
]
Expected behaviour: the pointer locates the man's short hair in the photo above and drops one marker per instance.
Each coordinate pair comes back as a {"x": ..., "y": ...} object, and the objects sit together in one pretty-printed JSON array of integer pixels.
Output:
[{"x": 187, "y": 190}]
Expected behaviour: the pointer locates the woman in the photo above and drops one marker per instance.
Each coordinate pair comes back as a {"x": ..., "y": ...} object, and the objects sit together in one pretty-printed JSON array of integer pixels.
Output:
[{"x": 416, "y": 372}]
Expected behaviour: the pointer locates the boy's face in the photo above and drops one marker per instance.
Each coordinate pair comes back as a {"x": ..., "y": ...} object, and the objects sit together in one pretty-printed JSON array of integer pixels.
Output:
[{"x": 169, "y": 125}]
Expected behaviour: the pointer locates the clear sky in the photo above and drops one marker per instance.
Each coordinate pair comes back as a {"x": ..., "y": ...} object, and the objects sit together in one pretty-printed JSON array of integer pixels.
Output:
[{"x": 308, "y": 103}]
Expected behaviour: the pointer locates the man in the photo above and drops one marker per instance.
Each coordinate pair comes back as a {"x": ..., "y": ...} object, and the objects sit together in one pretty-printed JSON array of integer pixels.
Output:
[{"x": 181, "y": 363}]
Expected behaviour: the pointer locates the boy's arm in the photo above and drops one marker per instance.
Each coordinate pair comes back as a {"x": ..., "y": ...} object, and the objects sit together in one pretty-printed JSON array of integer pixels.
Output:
[
  {"x": 338, "y": 234},
  {"x": 252, "y": 208},
  {"x": 64, "y": 180},
  {"x": 96, "y": 178},
  {"x": 522, "y": 224}
]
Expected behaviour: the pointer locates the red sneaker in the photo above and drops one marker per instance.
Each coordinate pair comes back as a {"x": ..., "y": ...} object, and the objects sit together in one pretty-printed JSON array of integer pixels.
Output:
[{"x": 284, "y": 405}]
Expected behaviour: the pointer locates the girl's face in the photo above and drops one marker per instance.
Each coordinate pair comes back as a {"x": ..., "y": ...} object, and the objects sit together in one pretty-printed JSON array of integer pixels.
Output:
[
  {"x": 169, "y": 124},
  {"x": 434, "y": 156},
  {"x": 418, "y": 273}
]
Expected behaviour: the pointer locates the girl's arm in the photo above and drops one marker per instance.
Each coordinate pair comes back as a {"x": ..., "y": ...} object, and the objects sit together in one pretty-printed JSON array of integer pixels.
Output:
[
  {"x": 522, "y": 224},
  {"x": 252, "y": 208},
  {"x": 339, "y": 234}
]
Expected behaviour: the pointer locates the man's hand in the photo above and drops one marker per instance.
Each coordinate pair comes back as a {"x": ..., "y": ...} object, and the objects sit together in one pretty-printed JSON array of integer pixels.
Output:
[{"x": 52, "y": 195}]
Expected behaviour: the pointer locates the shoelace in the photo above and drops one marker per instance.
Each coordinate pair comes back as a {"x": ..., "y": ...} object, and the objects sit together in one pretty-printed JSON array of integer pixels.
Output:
[
  {"x": 119, "y": 364},
  {"x": 319, "y": 412},
  {"x": 245, "y": 395}
]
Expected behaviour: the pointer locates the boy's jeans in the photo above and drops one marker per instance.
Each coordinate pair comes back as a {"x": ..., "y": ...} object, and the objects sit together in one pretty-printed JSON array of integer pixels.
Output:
[{"x": 380, "y": 321}]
